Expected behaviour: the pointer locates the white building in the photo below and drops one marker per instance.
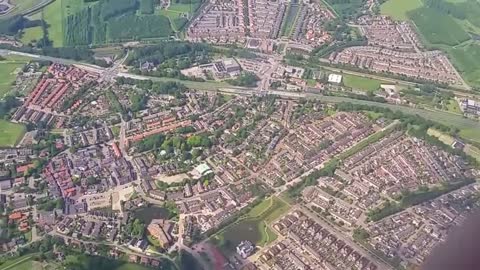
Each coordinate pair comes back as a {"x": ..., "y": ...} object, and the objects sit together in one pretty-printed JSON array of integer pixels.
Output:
[{"x": 335, "y": 78}]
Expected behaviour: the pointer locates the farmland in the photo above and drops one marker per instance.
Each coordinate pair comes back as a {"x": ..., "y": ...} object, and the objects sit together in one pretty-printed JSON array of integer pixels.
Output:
[
  {"x": 10, "y": 133},
  {"x": 111, "y": 21},
  {"x": 437, "y": 28},
  {"x": 467, "y": 60},
  {"x": 53, "y": 16},
  {"x": 398, "y": 9}
]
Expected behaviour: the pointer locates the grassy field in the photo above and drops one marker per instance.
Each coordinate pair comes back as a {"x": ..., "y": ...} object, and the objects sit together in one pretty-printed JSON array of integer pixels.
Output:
[
  {"x": 8, "y": 67},
  {"x": 31, "y": 34},
  {"x": 53, "y": 15},
  {"x": 21, "y": 263},
  {"x": 453, "y": 106},
  {"x": 467, "y": 60},
  {"x": 362, "y": 83},
  {"x": 10, "y": 133},
  {"x": 398, "y": 9},
  {"x": 437, "y": 28},
  {"x": 132, "y": 266}
]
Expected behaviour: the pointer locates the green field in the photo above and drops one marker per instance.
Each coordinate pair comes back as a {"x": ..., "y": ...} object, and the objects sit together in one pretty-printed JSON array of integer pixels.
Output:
[
  {"x": 10, "y": 133},
  {"x": 32, "y": 34},
  {"x": 8, "y": 68},
  {"x": 467, "y": 61},
  {"x": 53, "y": 15},
  {"x": 131, "y": 266},
  {"x": 20, "y": 263},
  {"x": 398, "y": 9},
  {"x": 437, "y": 28},
  {"x": 453, "y": 106},
  {"x": 179, "y": 13},
  {"x": 361, "y": 83}
]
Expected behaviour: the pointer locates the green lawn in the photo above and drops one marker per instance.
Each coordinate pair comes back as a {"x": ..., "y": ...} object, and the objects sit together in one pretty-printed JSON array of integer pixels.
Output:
[
  {"x": 8, "y": 68},
  {"x": 53, "y": 15},
  {"x": 453, "y": 106},
  {"x": 30, "y": 34},
  {"x": 10, "y": 133},
  {"x": 362, "y": 83},
  {"x": 184, "y": 8},
  {"x": 132, "y": 266},
  {"x": 20, "y": 263},
  {"x": 397, "y": 9}
]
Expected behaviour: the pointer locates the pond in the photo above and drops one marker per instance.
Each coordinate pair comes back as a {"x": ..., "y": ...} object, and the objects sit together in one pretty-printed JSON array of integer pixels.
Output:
[
  {"x": 146, "y": 214},
  {"x": 245, "y": 230}
]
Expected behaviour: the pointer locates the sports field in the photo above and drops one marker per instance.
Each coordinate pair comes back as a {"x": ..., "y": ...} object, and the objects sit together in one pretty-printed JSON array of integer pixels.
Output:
[
  {"x": 10, "y": 133},
  {"x": 361, "y": 83},
  {"x": 398, "y": 9}
]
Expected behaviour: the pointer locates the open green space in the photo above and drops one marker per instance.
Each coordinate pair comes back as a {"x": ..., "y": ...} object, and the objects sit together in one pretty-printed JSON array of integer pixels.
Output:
[
  {"x": 21, "y": 263},
  {"x": 132, "y": 266},
  {"x": 467, "y": 61},
  {"x": 32, "y": 34},
  {"x": 437, "y": 28},
  {"x": 361, "y": 83},
  {"x": 398, "y": 9},
  {"x": 53, "y": 16},
  {"x": 345, "y": 9},
  {"x": 452, "y": 106},
  {"x": 254, "y": 226},
  {"x": 8, "y": 69},
  {"x": 10, "y": 133}
]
